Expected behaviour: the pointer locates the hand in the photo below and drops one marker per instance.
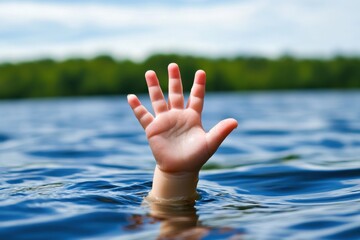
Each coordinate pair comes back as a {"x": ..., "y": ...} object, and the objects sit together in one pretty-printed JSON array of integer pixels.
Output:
[{"x": 176, "y": 136}]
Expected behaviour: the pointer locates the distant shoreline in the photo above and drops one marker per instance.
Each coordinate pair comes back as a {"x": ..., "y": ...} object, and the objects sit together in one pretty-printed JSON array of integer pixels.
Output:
[{"x": 103, "y": 75}]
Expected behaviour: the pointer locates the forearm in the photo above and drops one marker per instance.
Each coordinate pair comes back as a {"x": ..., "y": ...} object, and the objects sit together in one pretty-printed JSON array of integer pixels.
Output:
[{"x": 173, "y": 187}]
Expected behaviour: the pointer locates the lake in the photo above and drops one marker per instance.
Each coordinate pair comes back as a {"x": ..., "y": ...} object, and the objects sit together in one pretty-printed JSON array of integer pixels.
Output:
[{"x": 79, "y": 168}]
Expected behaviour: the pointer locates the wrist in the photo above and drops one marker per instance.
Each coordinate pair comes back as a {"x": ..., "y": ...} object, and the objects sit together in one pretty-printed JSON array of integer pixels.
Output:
[{"x": 173, "y": 186}]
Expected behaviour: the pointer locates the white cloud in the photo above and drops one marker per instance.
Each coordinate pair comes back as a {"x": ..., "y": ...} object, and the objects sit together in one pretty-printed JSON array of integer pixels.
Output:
[{"x": 30, "y": 29}]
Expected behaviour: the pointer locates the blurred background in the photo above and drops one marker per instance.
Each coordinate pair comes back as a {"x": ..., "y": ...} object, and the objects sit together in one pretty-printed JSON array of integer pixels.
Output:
[{"x": 73, "y": 48}]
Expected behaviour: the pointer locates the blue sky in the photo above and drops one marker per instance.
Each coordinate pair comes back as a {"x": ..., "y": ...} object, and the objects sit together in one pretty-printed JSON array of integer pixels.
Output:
[{"x": 137, "y": 29}]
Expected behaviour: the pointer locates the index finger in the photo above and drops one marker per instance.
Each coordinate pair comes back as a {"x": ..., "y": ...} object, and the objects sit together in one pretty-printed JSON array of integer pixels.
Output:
[{"x": 197, "y": 94}]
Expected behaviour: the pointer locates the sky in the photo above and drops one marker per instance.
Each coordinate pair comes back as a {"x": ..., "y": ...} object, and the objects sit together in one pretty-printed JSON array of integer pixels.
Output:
[{"x": 135, "y": 29}]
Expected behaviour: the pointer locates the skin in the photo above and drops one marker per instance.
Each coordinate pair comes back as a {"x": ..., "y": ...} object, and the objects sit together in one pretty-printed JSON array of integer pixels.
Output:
[{"x": 176, "y": 136}]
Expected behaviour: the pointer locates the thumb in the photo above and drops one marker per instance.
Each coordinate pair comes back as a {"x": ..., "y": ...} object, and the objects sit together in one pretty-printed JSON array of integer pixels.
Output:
[{"x": 219, "y": 132}]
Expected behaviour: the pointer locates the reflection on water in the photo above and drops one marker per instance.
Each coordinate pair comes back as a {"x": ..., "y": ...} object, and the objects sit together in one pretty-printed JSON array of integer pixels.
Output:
[
  {"x": 177, "y": 222},
  {"x": 80, "y": 168}
]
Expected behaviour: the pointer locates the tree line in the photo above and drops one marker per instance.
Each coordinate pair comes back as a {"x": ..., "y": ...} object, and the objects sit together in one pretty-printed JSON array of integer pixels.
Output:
[{"x": 104, "y": 75}]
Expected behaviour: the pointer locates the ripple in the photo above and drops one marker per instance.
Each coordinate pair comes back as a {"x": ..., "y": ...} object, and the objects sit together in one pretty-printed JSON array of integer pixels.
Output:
[
  {"x": 265, "y": 132},
  {"x": 119, "y": 135},
  {"x": 286, "y": 181},
  {"x": 230, "y": 150},
  {"x": 277, "y": 148},
  {"x": 67, "y": 227},
  {"x": 130, "y": 137},
  {"x": 70, "y": 153},
  {"x": 339, "y": 197},
  {"x": 4, "y": 137},
  {"x": 332, "y": 143},
  {"x": 40, "y": 173},
  {"x": 351, "y": 232},
  {"x": 92, "y": 185},
  {"x": 316, "y": 225}
]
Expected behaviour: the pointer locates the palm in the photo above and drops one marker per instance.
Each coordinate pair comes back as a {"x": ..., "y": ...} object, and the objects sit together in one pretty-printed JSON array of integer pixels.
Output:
[
  {"x": 176, "y": 136},
  {"x": 178, "y": 141}
]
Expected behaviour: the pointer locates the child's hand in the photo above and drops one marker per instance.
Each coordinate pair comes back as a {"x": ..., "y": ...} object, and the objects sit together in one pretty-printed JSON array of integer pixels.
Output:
[{"x": 176, "y": 136}]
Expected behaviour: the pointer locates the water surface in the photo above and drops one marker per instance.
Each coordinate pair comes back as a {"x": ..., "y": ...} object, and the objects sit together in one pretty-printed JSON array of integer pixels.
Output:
[{"x": 80, "y": 168}]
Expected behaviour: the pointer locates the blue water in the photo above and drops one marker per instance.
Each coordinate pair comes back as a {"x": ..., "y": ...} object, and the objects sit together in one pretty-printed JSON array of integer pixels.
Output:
[{"x": 80, "y": 168}]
